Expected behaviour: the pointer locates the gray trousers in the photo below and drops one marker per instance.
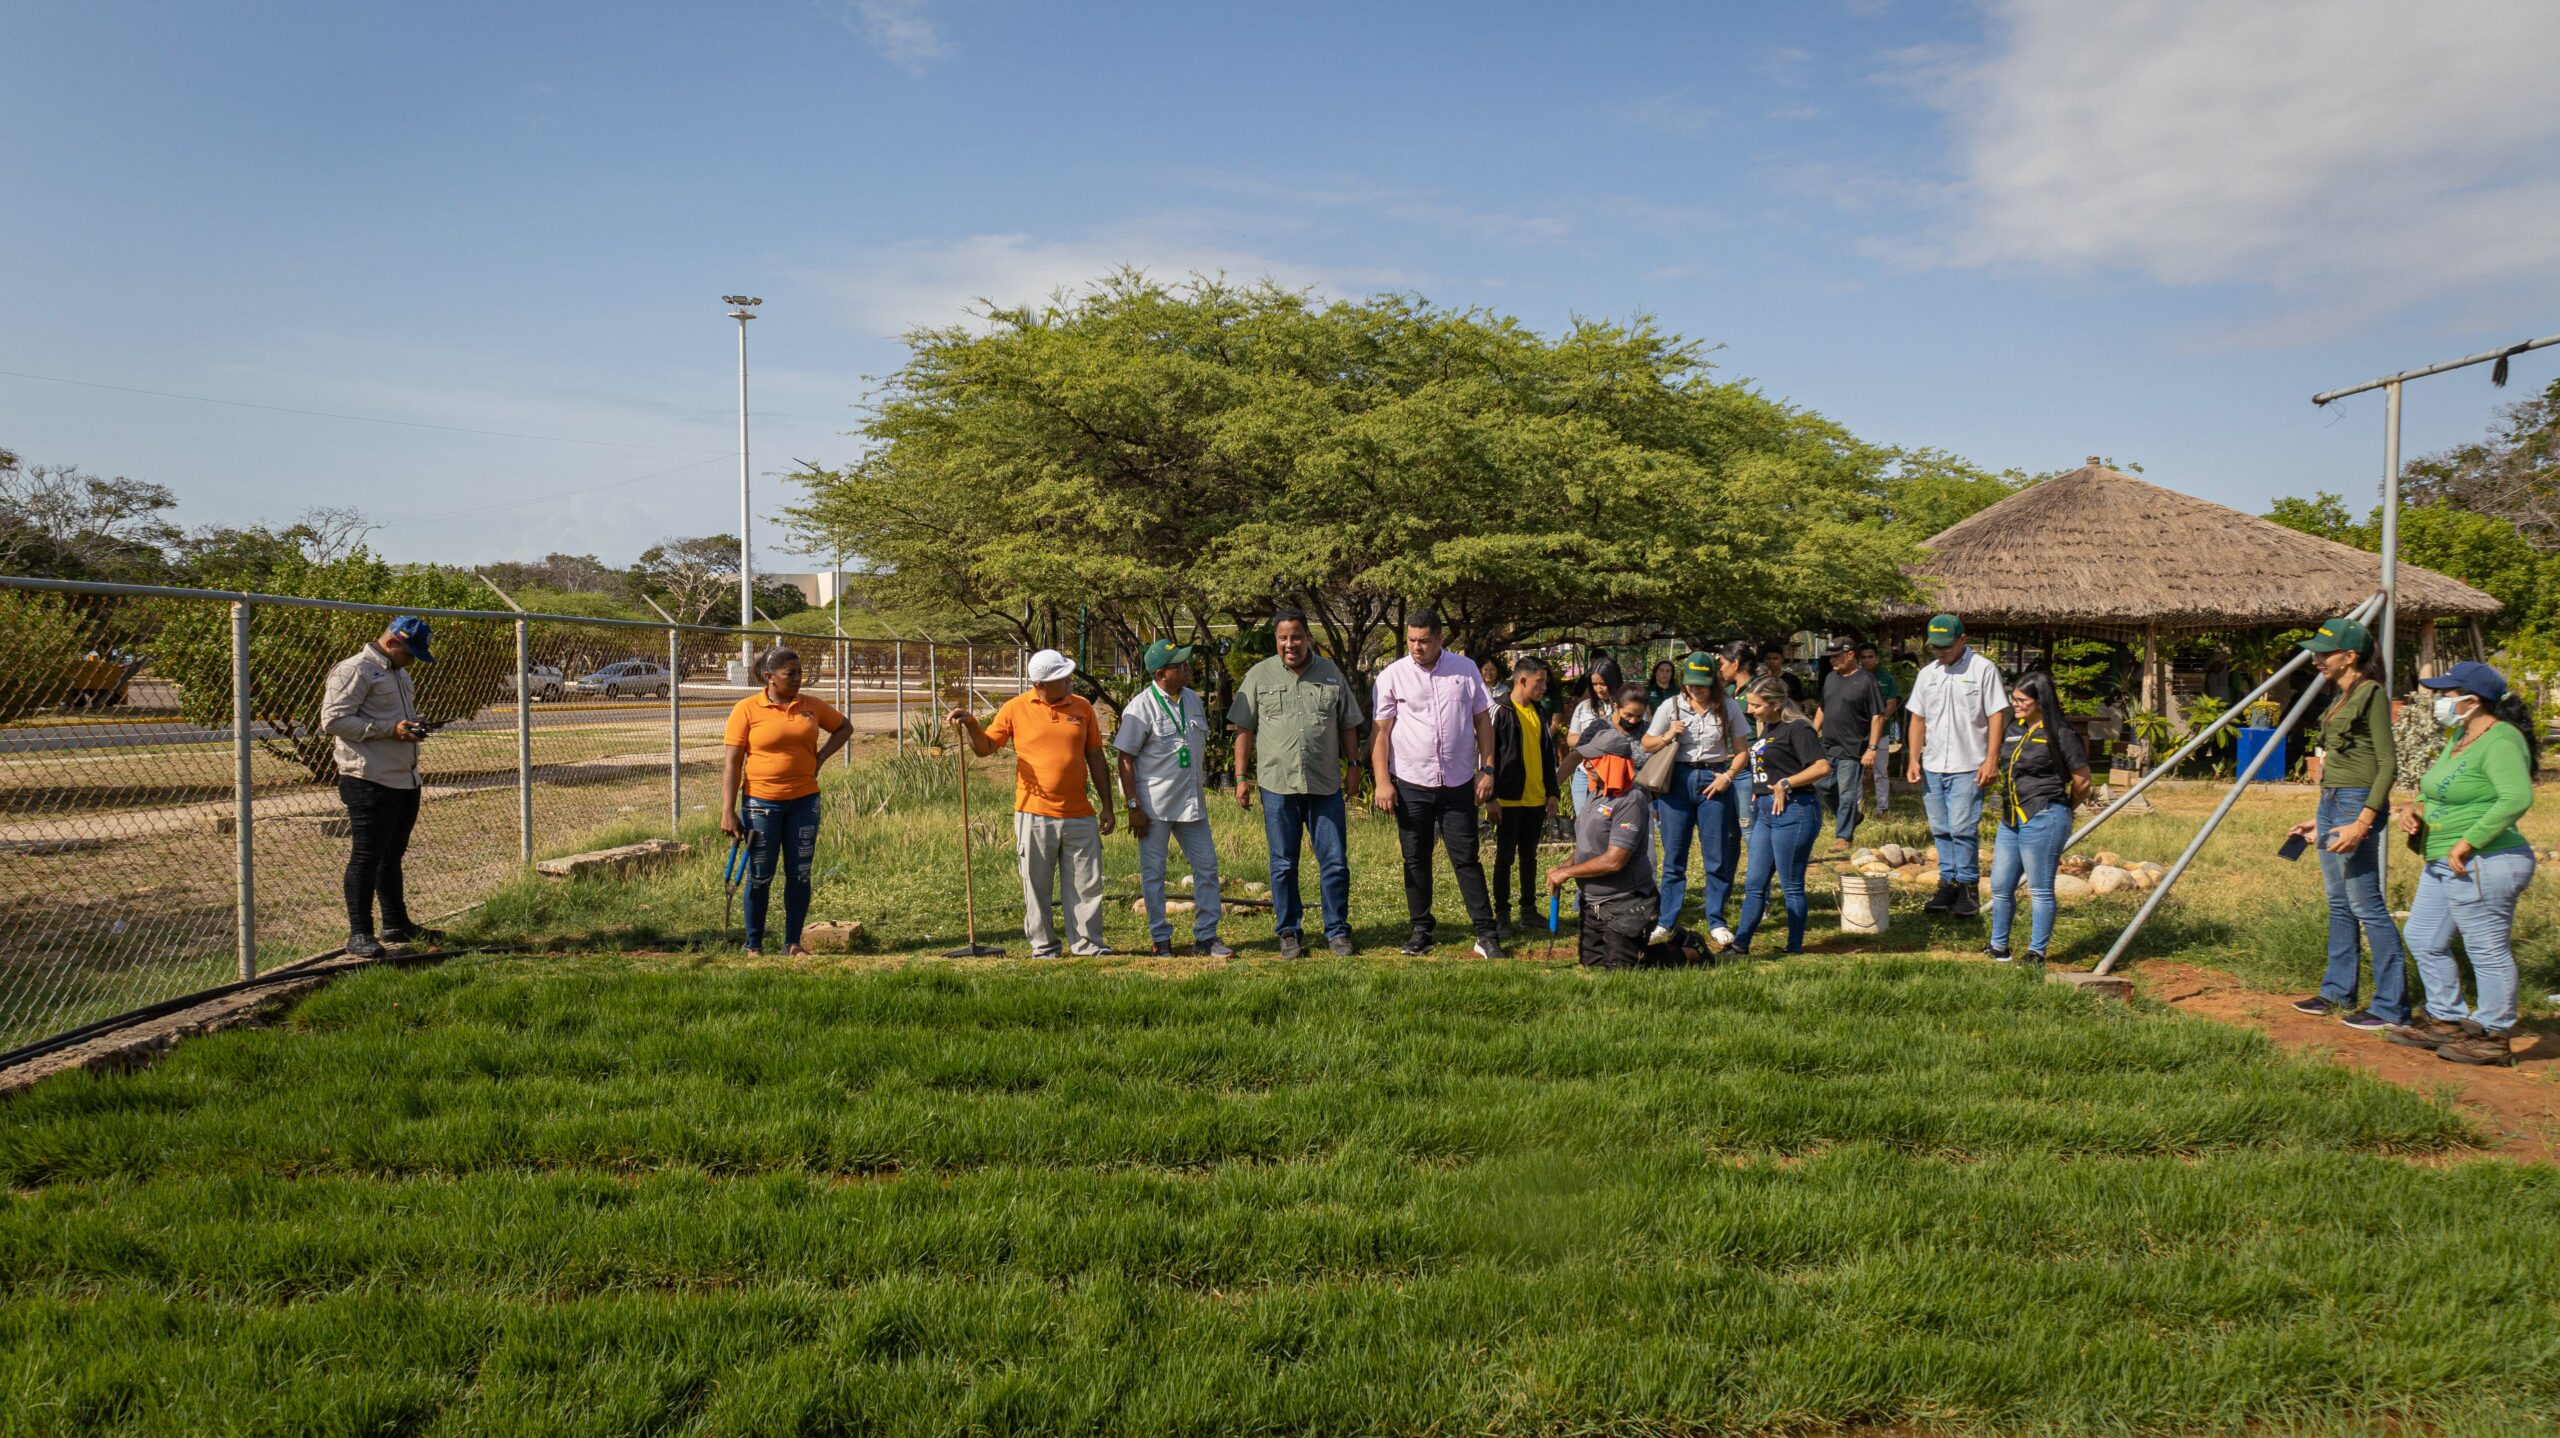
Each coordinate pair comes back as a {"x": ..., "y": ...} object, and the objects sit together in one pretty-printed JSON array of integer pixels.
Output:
[
  {"x": 1202, "y": 853},
  {"x": 1065, "y": 854}
]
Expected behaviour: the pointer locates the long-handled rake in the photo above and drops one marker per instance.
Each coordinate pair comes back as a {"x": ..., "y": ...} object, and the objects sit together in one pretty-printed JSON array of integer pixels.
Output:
[{"x": 968, "y": 870}]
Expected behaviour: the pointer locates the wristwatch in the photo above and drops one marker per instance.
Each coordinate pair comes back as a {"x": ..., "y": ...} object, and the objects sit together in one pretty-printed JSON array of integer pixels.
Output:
[{"x": 1484, "y": 768}]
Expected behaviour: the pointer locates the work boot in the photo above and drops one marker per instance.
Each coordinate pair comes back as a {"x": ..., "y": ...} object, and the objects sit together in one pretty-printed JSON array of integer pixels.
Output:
[
  {"x": 1342, "y": 946},
  {"x": 2477, "y": 1045},
  {"x": 1968, "y": 901},
  {"x": 2423, "y": 1031},
  {"x": 1942, "y": 902}
]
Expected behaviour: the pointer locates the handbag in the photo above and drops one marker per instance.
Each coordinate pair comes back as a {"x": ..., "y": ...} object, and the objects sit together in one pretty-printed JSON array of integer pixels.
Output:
[{"x": 1660, "y": 772}]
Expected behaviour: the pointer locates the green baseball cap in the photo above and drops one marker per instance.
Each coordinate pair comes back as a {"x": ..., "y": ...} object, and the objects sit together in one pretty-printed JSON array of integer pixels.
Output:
[
  {"x": 2339, "y": 634},
  {"x": 1698, "y": 668},
  {"x": 1162, "y": 653},
  {"x": 1945, "y": 630}
]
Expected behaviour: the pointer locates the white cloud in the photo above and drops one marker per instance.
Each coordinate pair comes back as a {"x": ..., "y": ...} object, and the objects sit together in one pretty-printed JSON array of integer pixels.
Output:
[
  {"x": 897, "y": 289},
  {"x": 2368, "y": 151},
  {"x": 902, "y": 31}
]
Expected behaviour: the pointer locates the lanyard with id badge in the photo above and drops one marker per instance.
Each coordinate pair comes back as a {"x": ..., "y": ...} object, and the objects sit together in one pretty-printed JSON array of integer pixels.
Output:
[{"x": 1182, "y": 750}]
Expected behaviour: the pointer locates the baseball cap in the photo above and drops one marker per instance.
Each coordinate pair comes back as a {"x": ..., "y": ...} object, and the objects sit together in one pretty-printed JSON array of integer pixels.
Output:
[
  {"x": 1163, "y": 652},
  {"x": 1698, "y": 668},
  {"x": 1841, "y": 646},
  {"x": 414, "y": 632},
  {"x": 1049, "y": 664},
  {"x": 2338, "y": 634},
  {"x": 1945, "y": 630},
  {"x": 2471, "y": 677}
]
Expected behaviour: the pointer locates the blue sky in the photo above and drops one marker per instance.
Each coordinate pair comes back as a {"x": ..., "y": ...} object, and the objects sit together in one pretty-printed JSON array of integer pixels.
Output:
[{"x": 2024, "y": 231}]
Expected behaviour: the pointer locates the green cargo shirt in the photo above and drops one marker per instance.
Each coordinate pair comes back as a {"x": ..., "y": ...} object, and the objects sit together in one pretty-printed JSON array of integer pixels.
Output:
[{"x": 1296, "y": 721}]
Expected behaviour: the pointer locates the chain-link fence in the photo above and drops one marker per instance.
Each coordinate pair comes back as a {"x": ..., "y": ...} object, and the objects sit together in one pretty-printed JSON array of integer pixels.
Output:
[{"x": 140, "y": 727}]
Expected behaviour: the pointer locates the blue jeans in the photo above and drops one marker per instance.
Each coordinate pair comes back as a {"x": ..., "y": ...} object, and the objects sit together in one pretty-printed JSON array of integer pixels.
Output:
[
  {"x": 1954, "y": 803},
  {"x": 783, "y": 832},
  {"x": 2482, "y": 908},
  {"x": 1717, "y": 825},
  {"x": 2354, "y": 882},
  {"x": 2032, "y": 849},
  {"x": 1201, "y": 852},
  {"x": 1287, "y": 817},
  {"x": 1781, "y": 844},
  {"x": 1844, "y": 790}
]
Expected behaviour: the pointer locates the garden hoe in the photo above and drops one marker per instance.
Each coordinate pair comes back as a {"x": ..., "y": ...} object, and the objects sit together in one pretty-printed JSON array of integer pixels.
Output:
[{"x": 968, "y": 870}]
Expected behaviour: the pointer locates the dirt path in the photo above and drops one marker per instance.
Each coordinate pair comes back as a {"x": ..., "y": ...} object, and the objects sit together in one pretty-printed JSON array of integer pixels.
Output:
[{"x": 2520, "y": 1105}]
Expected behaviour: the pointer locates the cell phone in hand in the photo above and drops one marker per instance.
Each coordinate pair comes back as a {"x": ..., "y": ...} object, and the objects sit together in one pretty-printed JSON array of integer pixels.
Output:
[{"x": 2292, "y": 847}]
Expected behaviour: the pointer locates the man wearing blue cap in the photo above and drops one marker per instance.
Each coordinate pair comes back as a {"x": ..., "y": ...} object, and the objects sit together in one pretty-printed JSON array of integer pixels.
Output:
[
  {"x": 1163, "y": 741},
  {"x": 369, "y": 709}
]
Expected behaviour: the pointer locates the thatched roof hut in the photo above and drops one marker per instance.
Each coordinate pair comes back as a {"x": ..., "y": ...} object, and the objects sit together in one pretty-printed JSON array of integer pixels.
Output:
[{"x": 2100, "y": 553}]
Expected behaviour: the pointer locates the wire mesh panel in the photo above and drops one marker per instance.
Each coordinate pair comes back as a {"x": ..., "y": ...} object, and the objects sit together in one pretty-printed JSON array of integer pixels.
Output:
[{"x": 116, "y": 845}]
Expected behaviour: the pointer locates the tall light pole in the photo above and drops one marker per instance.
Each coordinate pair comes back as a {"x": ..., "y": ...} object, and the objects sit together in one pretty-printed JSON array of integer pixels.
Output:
[{"x": 742, "y": 309}]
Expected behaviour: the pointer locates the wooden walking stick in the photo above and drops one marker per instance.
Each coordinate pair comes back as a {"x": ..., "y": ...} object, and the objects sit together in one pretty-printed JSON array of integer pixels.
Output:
[{"x": 968, "y": 870}]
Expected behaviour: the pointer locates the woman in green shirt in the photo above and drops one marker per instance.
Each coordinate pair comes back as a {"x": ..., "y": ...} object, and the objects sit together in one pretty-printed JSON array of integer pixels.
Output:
[
  {"x": 2356, "y": 767},
  {"x": 2477, "y": 865}
]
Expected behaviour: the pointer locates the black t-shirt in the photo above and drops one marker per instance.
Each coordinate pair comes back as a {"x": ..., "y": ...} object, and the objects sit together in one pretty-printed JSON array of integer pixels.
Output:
[
  {"x": 2036, "y": 765},
  {"x": 1788, "y": 749},
  {"x": 1849, "y": 701}
]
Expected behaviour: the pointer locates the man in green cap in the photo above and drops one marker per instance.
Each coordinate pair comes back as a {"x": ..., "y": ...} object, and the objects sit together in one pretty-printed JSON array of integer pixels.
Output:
[
  {"x": 1959, "y": 708},
  {"x": 1164, "y": 744}
]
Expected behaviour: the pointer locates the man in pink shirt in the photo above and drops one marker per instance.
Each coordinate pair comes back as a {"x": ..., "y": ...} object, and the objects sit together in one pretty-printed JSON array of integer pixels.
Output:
[{"x": 1434, "y": 760}]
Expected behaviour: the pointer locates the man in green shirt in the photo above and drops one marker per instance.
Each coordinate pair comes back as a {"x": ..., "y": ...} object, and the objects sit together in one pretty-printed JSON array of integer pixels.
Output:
[{"x": 1296, "y": 724}]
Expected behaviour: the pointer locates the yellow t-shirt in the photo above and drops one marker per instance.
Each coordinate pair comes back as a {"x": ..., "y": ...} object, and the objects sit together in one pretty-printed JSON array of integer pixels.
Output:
[{"x": 1533, "y": 745}]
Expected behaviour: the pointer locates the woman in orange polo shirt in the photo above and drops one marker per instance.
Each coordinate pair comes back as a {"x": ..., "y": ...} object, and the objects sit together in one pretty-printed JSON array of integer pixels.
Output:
[{"x": 777, "y": 738}]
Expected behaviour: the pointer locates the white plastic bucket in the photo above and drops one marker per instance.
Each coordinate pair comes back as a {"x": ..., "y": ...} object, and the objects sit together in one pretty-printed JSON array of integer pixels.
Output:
[{"x": 1866, "y": 903}]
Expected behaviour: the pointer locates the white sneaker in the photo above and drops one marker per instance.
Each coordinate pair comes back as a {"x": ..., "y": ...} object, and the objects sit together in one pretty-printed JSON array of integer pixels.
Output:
[
  {"x": 1660, "y": 935},
  {"x": 1723, "y": 936}
]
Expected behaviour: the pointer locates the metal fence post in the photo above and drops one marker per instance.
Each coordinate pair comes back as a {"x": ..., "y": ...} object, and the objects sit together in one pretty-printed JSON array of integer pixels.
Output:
[
  {"x": 844, "y": 689},
  {"x": 932, "y": 674},
  {"x": 969, "y": 675},
  {"x": 898, "y": 684},
  {"x": 675, "y": 735},
  {"x": 524, "y": 741},
  {"x": 245, "y": 860}
]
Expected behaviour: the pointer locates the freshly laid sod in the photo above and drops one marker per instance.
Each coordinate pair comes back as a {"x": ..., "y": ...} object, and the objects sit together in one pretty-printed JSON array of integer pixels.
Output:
[{"x": 599, "y": 1194}]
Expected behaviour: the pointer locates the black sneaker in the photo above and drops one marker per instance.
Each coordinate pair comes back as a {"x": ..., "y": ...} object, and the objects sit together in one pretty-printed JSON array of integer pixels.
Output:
[
  {"x": 2035, "y": 957},
  {"x": 1502, "y": 929},
  {"x": 1942, "y": 902},
  {"x": 2364, "y": 1019},
  {"x": 1488, "y": 948},
  {"x": 1968, "y": 901},
  {"x": 1289, "y": 947},
  {"x": 1419, "y": 943},
  {"x": 1998, "y": 954},
  {"x": 1342, "y": 946},
  {"x": 2316, "y": 1006},
  {"x": 364, "y": 946},
  {"x": 1163, "y": 948}
]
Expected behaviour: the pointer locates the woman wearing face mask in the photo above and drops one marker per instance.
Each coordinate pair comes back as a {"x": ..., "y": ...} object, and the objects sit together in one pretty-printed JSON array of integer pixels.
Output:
[
  {"x": 2477, "y": 865},
  {"x": 2357, "y": 761},
  {"x": 1786, "y": 760},
  {"x": 2044, "y": 772}
]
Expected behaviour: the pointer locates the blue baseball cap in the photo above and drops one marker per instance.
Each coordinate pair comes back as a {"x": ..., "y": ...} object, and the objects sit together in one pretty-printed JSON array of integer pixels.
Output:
[
  {"x": 2471, "y": 677},
  {"x": 413, "y": 632}
]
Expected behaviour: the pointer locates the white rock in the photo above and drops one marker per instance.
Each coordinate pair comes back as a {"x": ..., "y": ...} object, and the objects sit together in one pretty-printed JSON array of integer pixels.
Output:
[
  {"x": 2071, "y": 886},
  {"x": 2142, "y": 878},
  {"x": 1864, "y": 857},
  {"x": 2107, "y": 878}
]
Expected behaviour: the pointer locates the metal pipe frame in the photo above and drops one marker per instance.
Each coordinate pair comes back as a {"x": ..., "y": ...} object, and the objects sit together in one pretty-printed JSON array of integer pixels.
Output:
[
  {"x": 675, "y": 738},
  {"x": 524, "y": 742},
  {"x": 244, "y": 877},
  {"x": 2425, "y": 370},
  {"x": 2359, "y": 614},
  {"x": 2248, "y": 775}
]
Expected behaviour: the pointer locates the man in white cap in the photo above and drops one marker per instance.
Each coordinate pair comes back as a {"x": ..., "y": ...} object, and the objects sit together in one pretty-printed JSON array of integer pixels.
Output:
[
  {"x": 1164, "y": 744},
  {"x": 1057, "y": 752}
]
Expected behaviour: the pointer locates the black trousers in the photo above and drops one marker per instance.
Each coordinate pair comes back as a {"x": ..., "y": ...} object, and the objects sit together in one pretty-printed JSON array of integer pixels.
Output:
[
  {"x": 1516, "y": 833},
  {"x": 1423, "y": 810},
  {"x": 379, "y": 819}
]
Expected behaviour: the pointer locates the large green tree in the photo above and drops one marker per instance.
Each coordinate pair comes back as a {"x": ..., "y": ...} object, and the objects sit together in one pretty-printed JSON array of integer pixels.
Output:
[{"x": 1162, "y": 460}]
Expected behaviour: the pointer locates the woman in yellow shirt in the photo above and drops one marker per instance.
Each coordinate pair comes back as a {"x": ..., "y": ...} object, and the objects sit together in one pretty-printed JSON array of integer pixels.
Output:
[{"x": 777, "y": 738}]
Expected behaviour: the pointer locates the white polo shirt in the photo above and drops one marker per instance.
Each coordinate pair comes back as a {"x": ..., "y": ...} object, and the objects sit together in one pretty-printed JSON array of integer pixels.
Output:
[{"x": 1955, "y": 704}]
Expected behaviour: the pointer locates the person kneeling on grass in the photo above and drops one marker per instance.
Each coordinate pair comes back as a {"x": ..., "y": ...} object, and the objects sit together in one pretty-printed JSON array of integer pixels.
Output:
[
  {"x": 777, "y": 738},
  {"x": 1057, "y": 838},
  {"x": 1612, "y": 852},
  {"x": 1163, "y": 742}
]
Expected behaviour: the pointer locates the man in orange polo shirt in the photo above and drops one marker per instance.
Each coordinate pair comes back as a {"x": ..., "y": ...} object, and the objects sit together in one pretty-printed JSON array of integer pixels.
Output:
[{"x": 1057, "y": 752}]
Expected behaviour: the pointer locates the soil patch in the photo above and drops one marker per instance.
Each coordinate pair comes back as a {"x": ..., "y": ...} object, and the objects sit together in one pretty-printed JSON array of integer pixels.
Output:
[{"x": 2520, "y": 1105}]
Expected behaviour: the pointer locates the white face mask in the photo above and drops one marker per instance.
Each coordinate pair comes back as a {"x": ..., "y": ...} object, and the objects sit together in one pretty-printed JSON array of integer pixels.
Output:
[{"x": 2449, "y": 710}]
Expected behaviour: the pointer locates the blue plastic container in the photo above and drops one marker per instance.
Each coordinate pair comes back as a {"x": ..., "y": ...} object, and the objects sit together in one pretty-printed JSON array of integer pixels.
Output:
[{"x": 2253, "y": 740}]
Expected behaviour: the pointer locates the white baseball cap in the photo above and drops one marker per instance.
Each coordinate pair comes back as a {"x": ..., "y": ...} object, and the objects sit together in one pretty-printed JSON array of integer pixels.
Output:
[{"x": 1049, "y": 664}]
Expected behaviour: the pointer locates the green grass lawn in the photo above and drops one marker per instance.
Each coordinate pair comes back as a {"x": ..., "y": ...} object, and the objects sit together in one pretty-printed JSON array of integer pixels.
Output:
[{"x": 1867, "y": 1191}]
